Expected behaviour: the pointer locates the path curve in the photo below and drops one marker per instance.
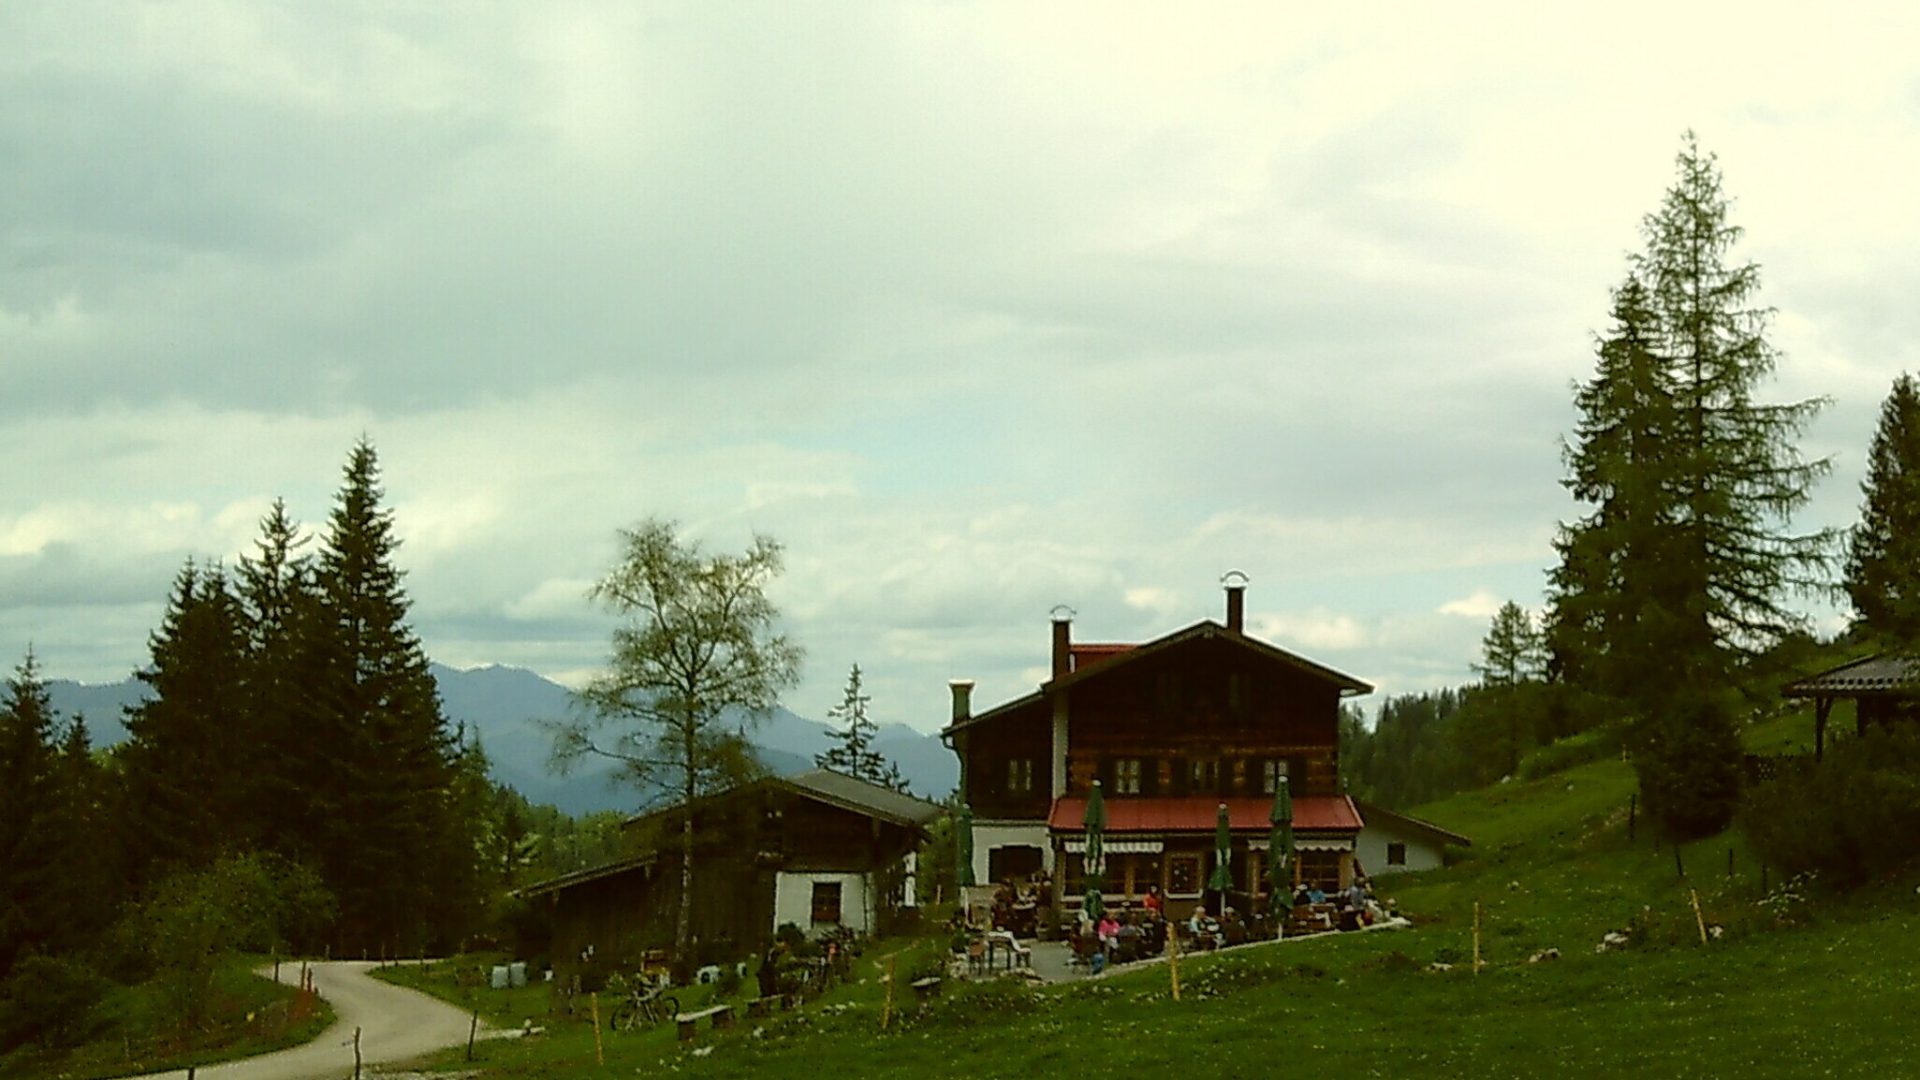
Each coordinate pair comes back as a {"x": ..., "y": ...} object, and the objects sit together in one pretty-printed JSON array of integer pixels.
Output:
[{"x": 396, "y": 1024}]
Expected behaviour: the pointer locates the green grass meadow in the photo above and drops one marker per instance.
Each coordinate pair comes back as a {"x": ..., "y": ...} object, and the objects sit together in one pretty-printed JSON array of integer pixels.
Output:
[{"x": 1816, "y": 986}]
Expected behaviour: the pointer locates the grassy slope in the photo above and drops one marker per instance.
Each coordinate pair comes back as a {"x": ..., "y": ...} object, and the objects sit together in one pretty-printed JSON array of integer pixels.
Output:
[
  {"x": 134, "y": 1018},
  {"x": 1552, "y": 867}
]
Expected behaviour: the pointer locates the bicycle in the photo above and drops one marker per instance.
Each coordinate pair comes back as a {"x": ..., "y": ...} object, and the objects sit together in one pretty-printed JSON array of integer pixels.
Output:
[{"x": 645, "y": 1005}]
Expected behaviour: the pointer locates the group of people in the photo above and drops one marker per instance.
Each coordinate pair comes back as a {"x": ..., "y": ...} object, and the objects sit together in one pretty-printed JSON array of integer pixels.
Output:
[
  {"x": 1122, "y": 934},
  {"x": 1018, "y": 906},
  {"x": 1354, "y": 907}
]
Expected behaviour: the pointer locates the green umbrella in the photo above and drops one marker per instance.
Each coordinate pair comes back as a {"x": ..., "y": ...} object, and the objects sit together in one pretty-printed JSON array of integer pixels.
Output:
[
  {"x": 1222, "y": 878},
  {"x": 963, "y": 847},
  {"x": 1094, "y": 862},
  {"x": 1280, "y": 848}
]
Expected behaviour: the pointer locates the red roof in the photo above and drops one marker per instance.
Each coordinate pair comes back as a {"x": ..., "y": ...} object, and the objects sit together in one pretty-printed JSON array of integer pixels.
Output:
[
  {"x": 1093, "y": 653},
  {"x": 1201, "y": 813}
]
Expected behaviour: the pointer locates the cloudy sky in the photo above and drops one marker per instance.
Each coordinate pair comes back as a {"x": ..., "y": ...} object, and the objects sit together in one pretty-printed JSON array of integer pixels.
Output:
[{"x": 979, "y": 308}]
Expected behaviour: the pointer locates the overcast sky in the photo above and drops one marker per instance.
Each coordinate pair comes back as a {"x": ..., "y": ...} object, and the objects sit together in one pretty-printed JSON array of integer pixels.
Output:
[{"x": 978, "y": 308}]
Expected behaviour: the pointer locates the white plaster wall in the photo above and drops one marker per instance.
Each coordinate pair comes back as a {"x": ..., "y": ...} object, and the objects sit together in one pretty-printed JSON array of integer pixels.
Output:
[
  {"x": 793, "y": 901},
  {"x": 987, "y": 836},
  {"x": 1422, "y": 852}
]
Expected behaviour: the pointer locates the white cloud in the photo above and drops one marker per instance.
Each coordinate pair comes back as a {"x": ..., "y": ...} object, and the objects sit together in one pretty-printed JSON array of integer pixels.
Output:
[{"x": 1482, "y": 604}]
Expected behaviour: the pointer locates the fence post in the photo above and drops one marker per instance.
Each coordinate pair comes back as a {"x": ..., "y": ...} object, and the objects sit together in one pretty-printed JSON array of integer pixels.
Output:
[
  {"x": 1678, "y": 867},
  {"x": 472, "y": 1029},
  {"x": 599, "y": 1051},
  {"x": 1173, "y": 962},
  {"x": 886, "y": 1011},
  {"x": 356, "y": 1054},
  {"x": 1729, "y": 864},
  {"x": 1476, "y": 937},
  {"x": 1698, "y": 919}
]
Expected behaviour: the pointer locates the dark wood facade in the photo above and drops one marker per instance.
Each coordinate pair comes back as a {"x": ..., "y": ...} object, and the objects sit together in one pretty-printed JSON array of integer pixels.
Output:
[
  {"x": 749, "y": 844},
  {"x": 1202, "y": 716}
]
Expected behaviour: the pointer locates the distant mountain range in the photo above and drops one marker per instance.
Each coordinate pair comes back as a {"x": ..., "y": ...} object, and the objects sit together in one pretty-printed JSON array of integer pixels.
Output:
[{"x": 505, "y": 705}]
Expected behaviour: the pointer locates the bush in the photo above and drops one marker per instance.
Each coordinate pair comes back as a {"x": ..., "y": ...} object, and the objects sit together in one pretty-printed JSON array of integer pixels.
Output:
[
  {"x": 1843, "y": 819},
  {"x": 1688, "y": 763},
  {"x": 1570, "y": 752},
  {"x": 49, "y": 1000}
]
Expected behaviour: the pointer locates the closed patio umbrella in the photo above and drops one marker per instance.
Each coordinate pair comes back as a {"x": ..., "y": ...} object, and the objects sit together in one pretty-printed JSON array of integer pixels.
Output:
[
  {"x": 1280, "y": 851},
  {"x": 963, "y": 847},
  {"x": 1222, "y": 878},
  {"x": 1094, "y": 862}
]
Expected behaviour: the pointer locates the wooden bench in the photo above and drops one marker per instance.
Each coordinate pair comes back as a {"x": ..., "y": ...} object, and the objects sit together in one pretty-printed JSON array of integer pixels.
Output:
[
  {"x": 926, "y": 988},
  {"x": 763, "y": 1006},
  {"x": 722, "y": 1016}
]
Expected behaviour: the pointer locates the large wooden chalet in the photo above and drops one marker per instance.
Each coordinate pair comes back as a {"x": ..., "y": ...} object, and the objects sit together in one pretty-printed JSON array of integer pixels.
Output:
[
  {"x": 819, "y": 849},
  {"x": 1172, "y": 729}
]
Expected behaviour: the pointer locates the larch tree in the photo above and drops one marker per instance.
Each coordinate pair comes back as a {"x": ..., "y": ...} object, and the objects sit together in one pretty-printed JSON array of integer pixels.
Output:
[
  {"x": 696, "y": 660},
  {"x": 1882, "y": 575},
  {"x": 1501, "y": 720},
  {"x": 853, "y": 752},
  {"x": 1681, "y": 572}
]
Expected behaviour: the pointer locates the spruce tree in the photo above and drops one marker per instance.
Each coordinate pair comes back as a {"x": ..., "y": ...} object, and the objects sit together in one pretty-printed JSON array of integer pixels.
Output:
[
  {"x": 28, "y": 857},
  {"x": 854, "y": 753},
  {"x": 84, "y": 889},
  {"x": 396, "y": 855},
  {"x": 1882, "y": 574},
  {"x": 279, "y": 599},
  {"x": 187, "y": 744},
  {"x": 1502, "y": 722}
]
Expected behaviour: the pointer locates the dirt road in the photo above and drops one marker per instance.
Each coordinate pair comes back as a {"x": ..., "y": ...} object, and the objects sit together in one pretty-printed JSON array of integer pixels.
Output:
[{"x": 395, "y": 1024}]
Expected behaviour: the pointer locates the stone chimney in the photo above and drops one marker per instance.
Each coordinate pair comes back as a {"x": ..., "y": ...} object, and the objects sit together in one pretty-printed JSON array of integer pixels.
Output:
[
  {"x": 962, "y": 698},
  {"x": 1062, "y": 640},
  {"x": 1236, "y": 583}
]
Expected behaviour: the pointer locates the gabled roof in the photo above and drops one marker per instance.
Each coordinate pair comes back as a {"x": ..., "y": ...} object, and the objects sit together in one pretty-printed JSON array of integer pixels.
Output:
[
  {"x": 823, "y": 785},
  {"x": 1201, "y": 814},
  {"x": 1101, "y": 658},
  {"x": 852, "y": 793},
  {"x": 1207, "y": 629},
  {"x": 581, "y": 877},
  {"x": 1412, "y": 824},
  {"x": 1884, "y": 675},
  {"x": 834, "y": 789}
]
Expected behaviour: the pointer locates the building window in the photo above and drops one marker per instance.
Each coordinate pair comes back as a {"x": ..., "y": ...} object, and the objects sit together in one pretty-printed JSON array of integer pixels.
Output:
[
  {"x": 1396, "y": 854},
  {"x": 1013, "y": 862},
  {"x": 1206, "y": 775},
  {"x": 1126, "y": 776},
  {"x": 1183, "y": 875},
  {"x": 1271, "y": 770},
  {"x": 826, "y": 902},
  {"x": 1020, "y": 776}
]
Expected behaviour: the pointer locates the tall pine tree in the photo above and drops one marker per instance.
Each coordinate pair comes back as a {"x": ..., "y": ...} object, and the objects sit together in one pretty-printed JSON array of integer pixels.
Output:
[
  {"x": 1883, "y": 551},
  {"x": 397, "y": 856},
  {"x": 853, "y": 753},
  {"x": 28, "y": 857},
  {"x": 1680, "y": 573},
  {"x": 186, "y": 750}
]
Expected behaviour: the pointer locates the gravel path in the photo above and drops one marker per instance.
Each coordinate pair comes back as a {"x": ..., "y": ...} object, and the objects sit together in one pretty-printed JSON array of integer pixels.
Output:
[{"x": 395, "y": 1025}]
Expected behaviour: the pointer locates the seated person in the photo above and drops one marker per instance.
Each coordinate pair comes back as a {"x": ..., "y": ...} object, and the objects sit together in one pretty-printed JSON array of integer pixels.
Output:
[
  {"x": 1314, "y": 895},
  {"x": 1151, "y": 902},
  {"x": 1233, "y": 929},
  {"x": 1127, "y": 942},
  {"x": 1109, "y": 929}
]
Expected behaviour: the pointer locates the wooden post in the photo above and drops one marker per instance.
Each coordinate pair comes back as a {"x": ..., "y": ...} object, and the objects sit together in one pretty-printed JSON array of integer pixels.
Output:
[
  {"x": 886, "y": 1010},
  {"x": 1678, "y": 867},
  {"x": 1173, "y": 961},
  {"x": 1729, "y": 864},
  {"x": 472, "y": 1030},
  {"x": 1476, "y": 937},
  {"x": 1698, "y": 919},
  {"x": 356, "y": 1054},
  {"x": 599, "y": 1051}
]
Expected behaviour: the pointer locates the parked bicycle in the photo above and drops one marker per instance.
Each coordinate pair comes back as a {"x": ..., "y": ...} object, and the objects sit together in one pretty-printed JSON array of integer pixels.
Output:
[{"x": 643, "y": 1003}]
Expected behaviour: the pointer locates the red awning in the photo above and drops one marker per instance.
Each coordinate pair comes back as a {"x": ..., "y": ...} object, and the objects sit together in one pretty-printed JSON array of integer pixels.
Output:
[{"x": 1201, "y": 814}]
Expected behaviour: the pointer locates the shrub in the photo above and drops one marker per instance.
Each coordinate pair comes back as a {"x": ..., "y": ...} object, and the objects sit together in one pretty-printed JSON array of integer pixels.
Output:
[
  {"x": 1844, "y": 819},
  {"x": 1575, "y": 750},
  {"x": 49, "y": 1000}
]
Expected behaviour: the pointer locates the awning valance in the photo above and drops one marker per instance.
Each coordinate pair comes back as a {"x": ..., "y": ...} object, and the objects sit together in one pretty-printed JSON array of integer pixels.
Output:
[
  {"x": 1307, "y": 843},
  {"x": 1078, "y": 846}
]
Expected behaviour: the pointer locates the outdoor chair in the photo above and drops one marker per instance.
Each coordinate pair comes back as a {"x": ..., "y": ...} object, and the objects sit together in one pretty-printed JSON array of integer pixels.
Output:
[{"x": 977, "y": 955}]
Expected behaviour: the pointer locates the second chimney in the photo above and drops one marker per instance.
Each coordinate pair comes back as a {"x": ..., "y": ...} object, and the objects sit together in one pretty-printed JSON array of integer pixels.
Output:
[
  {"x": 1062, "y": 642},
  {"x": 962, "y": 698},
  {"x": 1237, "y": 602}
]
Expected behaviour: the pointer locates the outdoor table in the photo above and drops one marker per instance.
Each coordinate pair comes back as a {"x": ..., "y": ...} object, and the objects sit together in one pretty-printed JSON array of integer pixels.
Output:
[{"x": 998, "y": 938}]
